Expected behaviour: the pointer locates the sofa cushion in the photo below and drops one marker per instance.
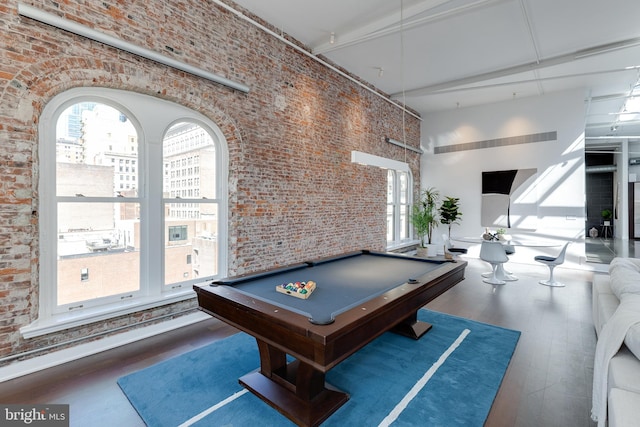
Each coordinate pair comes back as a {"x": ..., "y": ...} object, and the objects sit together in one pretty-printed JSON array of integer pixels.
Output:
[
  {"x": 623, "y": 406},
  {"x": 604, "y": 301},
  {"x": 624, "y": 280},
  {"x": 606, "y": 306},
  {"x": 624, "y": 371},
  {"x": 632, "y": 340},
  {"x": 601, "y": 284},
  {"x": 632, "y": 263}
]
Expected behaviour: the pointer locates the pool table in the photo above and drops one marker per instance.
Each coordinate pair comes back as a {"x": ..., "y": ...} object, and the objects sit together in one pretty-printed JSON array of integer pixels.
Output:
[{"x": 358, "y": 297}]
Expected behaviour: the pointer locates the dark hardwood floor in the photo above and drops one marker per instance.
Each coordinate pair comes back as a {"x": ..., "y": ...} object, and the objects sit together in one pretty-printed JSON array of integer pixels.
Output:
[{"x": 548, "y": 382}]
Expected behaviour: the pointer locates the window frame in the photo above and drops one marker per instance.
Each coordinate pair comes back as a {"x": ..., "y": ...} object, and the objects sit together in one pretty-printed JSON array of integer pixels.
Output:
[{"x": 152, "y": 117}]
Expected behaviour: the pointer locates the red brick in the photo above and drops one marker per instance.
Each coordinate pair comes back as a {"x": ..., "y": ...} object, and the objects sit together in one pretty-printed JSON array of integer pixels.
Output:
[{"x": 293, "y": 192}]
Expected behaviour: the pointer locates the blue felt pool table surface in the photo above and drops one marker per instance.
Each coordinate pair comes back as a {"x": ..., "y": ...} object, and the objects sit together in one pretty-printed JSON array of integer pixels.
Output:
[{"x": 341, "y": 283}]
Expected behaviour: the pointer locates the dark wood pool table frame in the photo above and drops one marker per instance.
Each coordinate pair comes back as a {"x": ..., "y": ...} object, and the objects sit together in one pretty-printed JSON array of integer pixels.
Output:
[{"x": 298, "y": 389}]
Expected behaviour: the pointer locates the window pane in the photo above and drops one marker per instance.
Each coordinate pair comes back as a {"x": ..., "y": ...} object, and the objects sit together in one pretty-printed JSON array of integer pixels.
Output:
[
  {"x": 404, "y": 190},
  {"x": 189, "y": 162},
  {"x": 390, "y": 186},
  {"x": 404, "y": 222},
  {"x": 98, "y": 252},
  {"x": 191, "y": 229},
  {"x": 398, "y": 206},
  {"x": 390, "y": 223},
  {"x": 195, "y": 256},
  {"x": 95, "y": 148}
]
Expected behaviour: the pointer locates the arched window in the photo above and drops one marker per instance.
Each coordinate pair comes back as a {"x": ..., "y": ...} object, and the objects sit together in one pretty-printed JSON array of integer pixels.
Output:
[{"x": 115, "y": 234}]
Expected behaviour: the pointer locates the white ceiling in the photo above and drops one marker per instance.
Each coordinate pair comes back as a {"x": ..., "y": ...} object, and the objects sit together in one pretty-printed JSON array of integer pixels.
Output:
[{"x": 439, "y": 55}]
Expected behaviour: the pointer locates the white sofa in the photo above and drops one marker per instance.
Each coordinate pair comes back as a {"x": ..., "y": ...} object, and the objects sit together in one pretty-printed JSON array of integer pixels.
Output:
[{"x": 623, "y": 370}]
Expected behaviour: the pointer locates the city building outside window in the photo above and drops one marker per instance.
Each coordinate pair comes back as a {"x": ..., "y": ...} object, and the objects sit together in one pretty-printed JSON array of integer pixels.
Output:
[{"x": 177, "y": 233}]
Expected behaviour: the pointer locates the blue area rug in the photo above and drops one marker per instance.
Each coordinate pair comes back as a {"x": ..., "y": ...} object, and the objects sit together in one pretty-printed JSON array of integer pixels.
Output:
[{"x": 449, "y": 377}]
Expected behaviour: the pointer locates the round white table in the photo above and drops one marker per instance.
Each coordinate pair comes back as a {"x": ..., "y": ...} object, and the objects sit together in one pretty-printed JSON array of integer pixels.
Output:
[
  {"x": 513, "y": 242},
  {"x": 501, "y": 273}
]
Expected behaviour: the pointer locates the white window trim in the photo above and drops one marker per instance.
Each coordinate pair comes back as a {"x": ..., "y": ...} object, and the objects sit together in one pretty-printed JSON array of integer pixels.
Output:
[
  {"x": 411, "y": 240},
  {"x": 381, "y": 162},
  {"x": 367, "y": 159},
  {"x": 137, "y": 107},
  {"x": 62, "y": 321}
]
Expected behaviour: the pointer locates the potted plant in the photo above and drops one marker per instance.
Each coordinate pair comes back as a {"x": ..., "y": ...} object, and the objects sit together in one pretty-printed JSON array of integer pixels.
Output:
[
  {"x": 606, "y": 216},
  {"x": 501, "y": 234},
  {"x": 606, "y": 222},
  {"x": 424, "y": 218},
  {"x": 450, "y": 212}
]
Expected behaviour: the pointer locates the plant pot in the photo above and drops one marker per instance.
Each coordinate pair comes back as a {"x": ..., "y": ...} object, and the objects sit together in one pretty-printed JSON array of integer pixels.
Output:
[{"x": 422, "y": 252}]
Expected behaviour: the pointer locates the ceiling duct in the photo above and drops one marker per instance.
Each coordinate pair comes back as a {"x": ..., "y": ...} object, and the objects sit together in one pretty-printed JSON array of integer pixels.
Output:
[{"x": 601, "y": 169}]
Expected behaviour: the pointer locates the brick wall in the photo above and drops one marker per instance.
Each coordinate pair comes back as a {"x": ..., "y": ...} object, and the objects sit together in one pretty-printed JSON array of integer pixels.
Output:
[{"x": 294, "y": 194}]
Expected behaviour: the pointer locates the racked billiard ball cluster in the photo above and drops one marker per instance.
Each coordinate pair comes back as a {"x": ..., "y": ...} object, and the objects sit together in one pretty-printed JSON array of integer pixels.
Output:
[{"x": 297, "y": 289}]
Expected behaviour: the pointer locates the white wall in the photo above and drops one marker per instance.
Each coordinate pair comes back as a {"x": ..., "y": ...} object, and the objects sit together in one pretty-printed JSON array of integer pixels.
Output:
[
  {"x": 620, "y": 227},
  {"x": 560, "y": 184}
]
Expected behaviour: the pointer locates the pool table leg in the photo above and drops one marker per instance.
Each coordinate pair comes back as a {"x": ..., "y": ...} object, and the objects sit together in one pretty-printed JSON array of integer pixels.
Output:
[
  {"x": 412, "y": 327},
  {"x": 297, "y": 390}
]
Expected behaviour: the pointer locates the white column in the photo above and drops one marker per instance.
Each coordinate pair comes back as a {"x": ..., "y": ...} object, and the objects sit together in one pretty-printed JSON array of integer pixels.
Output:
[{"x": 622, "y": 226}]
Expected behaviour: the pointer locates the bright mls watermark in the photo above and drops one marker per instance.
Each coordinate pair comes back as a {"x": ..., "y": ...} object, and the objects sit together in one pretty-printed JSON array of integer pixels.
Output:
[{"x": 34, "y": 415}]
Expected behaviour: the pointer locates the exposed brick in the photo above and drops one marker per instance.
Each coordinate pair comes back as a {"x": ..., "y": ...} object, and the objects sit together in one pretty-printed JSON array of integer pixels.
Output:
[{"x": 293, "y": 192}]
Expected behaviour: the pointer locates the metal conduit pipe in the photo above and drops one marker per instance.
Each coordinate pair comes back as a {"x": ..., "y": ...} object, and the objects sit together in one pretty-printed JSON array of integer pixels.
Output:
[
  {"x": 314, "y": 57},
  {"x": 601, "y": 169}
]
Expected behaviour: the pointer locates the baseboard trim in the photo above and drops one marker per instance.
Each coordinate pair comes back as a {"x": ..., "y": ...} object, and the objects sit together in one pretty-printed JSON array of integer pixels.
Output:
[{"x": 49, "y": 360}]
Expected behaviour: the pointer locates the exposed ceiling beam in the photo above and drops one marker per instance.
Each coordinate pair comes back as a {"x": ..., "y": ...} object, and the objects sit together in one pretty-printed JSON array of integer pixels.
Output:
[
  {"x": 391, "y": 24},
  {"x": 610, "y": 97},
  {"x": 621, "y": 113},
  {"x": 604, "y": 138},
  {"x": 521, "y": 68},
  {"x": 540, "y": 80},
  {"x": 608, "y": 124}
]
